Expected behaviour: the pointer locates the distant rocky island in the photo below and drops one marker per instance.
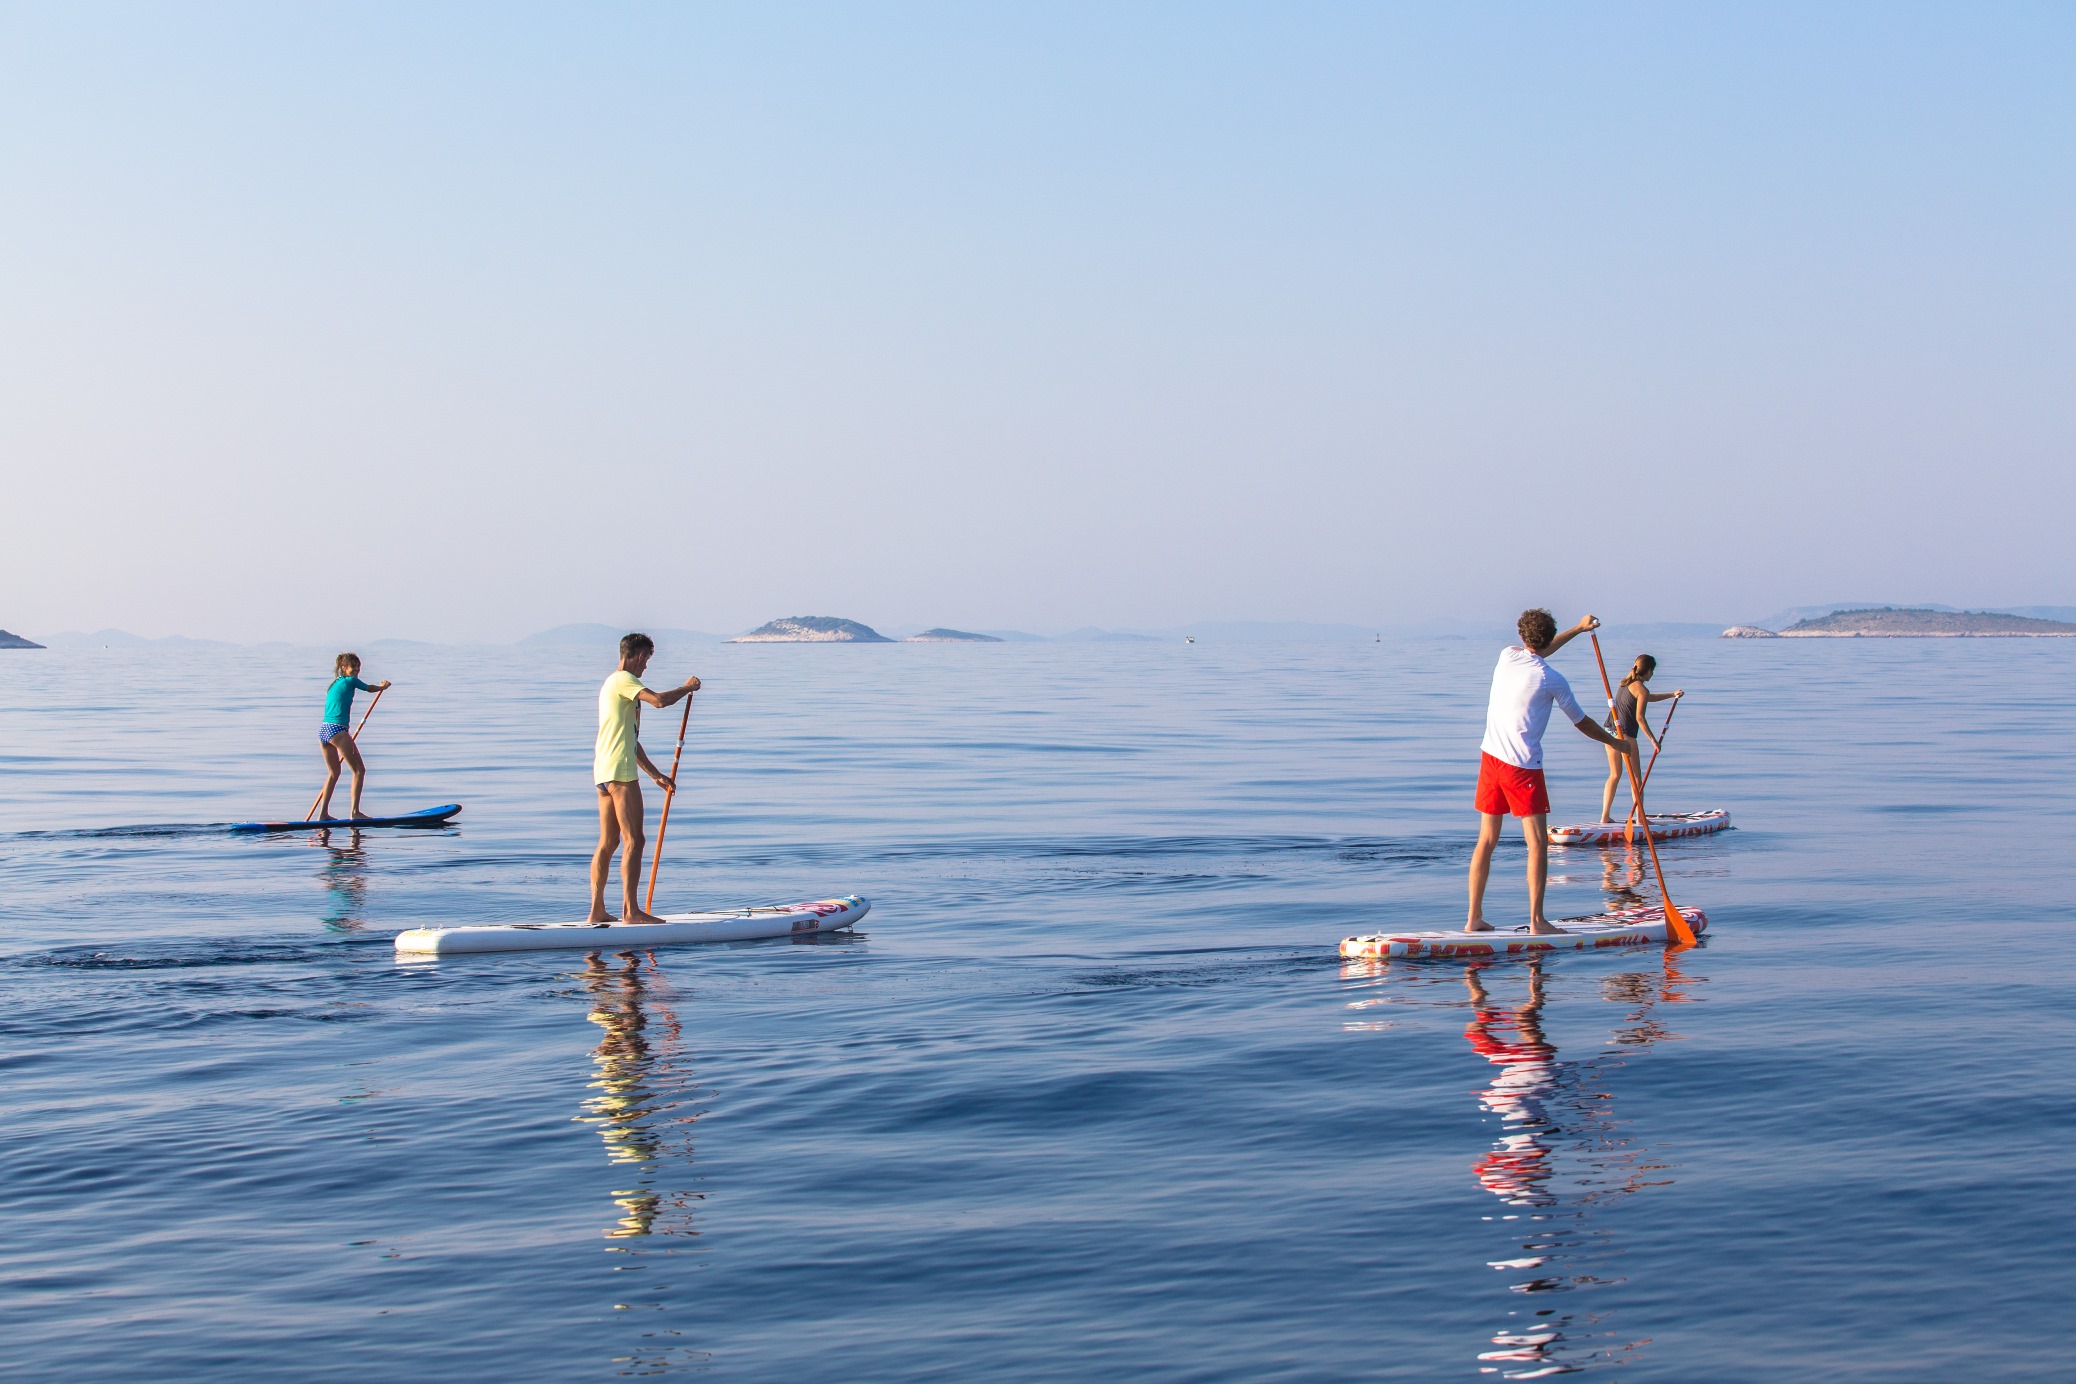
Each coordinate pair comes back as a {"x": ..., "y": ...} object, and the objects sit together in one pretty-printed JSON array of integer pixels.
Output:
[
  {"x": 942, "y": 636},
  {"x": 15, "y": 641},
  {"x": 1893, "y": 622},
  {"x": 812, "y": 629}
]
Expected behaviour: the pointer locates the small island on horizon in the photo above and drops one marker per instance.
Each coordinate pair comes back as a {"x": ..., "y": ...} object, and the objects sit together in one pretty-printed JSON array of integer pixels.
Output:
[
  {"x": 945, "y": 636},
  {"x": 15, "y": 641},
  {"x": 1897, "y": 622},
  {"x": 812, "y": 629}
]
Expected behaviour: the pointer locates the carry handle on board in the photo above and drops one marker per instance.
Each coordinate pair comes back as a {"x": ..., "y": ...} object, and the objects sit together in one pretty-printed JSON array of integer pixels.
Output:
[
  {"x": 1679, "y": 926},
  {"x": 356, "y": 739},
  {"x": 663, "y": 827}
]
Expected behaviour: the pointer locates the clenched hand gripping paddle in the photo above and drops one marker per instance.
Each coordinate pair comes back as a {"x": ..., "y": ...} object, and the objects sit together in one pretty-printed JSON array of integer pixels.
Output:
[
  {"x": 356, "y": 740},
  {"x": 664, "y": 826},
  {"x": 1680, "y": 927}
]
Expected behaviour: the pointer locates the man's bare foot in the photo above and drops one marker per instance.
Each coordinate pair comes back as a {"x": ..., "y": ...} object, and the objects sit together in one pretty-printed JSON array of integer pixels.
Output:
[
  {"x": 642, "y": 915},
  {"x": 360, "y": 816},
  {"x": 1543, "y": 927},
  {"x": 1477, "y": 925},
  {"x": 599, "y": 915}
]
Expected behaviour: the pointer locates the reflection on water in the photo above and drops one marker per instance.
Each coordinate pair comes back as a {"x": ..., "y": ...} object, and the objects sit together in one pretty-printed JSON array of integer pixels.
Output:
[
  {"x": 640, "y": 1107},
  {"x": 344, "y": 876},
  {"x": 1562, "y": 1154},
  {"x": 641, "y": 1076}
]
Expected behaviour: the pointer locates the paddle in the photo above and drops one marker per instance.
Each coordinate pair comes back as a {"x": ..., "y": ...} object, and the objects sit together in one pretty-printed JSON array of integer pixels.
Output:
[
  {"x": 356, "y": 738},
  {"x": 1673, "y": 711},
  {"x": 1660, "y": 745},
  {"x": 1628, "y": 827},
  {"x": 664, "y": 825},
  {"x": 1679, "y": 926}
]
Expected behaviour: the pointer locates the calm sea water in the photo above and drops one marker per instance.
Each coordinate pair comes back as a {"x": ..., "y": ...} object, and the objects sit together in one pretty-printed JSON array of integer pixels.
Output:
[{"x": 1091, "y": 1095}]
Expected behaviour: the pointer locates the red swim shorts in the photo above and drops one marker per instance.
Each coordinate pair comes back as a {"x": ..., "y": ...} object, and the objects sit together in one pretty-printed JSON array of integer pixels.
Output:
[{"x": 1503, "y": 788}]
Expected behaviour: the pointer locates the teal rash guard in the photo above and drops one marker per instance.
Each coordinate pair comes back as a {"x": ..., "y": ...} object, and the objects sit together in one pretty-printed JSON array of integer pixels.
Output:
[{"x": 338, "y": 702}]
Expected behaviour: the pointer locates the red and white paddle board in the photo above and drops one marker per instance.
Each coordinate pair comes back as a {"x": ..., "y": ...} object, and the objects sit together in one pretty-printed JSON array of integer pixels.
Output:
[
  {"x": 1629, "y": 927},
  {"x": 1670, "y": 827}
]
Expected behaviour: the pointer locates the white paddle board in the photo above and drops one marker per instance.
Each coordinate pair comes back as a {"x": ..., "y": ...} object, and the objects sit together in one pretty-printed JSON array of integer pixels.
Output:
[
  {"x": 676, "y": 929},
  {"x": 1628, "y": 927},
  {"x": 1670, "y": 827}
]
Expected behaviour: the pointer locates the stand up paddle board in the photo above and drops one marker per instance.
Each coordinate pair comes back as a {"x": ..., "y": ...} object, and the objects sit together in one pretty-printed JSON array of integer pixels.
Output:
[
  {"x": 1628, "y": 927},
  {"x": 735, "y": 925},
  {"x": 1670, "y": 827},
  {"x": 424, "y": 817}
]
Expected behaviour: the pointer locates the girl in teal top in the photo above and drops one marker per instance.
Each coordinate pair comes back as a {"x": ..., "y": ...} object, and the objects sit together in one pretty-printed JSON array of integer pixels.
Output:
[{"x": 335, "y": 739}]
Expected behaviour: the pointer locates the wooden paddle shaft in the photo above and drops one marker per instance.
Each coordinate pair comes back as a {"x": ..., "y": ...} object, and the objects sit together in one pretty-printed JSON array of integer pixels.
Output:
[{"x": 663, "y": 826}]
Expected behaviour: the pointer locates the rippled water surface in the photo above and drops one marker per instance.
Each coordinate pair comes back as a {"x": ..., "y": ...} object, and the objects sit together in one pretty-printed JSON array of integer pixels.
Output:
[{"x": 1090, "y": 1095}]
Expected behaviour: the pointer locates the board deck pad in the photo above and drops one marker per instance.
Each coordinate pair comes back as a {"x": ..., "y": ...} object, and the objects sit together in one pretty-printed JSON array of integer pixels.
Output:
[
  {"x": 677, "y": 929},
  {"x": 1670, "y": 827},
  {"x": 1627, "y": 927},
  {"x": 423, "y": 817}
]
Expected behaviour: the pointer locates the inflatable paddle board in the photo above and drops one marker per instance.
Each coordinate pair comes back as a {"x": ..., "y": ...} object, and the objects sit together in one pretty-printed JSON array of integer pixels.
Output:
[
  {"x": 1671, "y": 827},
  {"x": 732, "y": 925},
  {"x": 424, "y": 817},
  {"x": 1629, "y": 927}
]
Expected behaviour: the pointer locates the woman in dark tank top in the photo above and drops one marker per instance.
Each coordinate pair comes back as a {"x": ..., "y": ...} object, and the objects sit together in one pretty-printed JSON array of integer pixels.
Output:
[{"x": 1631, "y": 714}]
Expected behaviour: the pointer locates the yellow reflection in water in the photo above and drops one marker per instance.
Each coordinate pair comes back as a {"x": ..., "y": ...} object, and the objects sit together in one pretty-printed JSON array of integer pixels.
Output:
[{"x": 640, "y": 1078}]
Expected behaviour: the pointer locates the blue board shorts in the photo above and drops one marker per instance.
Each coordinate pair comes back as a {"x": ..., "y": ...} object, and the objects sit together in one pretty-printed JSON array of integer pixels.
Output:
[{"x": 328, "y": 731}]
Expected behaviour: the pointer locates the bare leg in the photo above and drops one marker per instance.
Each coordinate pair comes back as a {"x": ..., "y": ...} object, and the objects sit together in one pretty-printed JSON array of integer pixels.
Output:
[
  {"x": 331, "y": 780},
  {"x": 602, "y": 857},
  {"x": 1614, "y": 777},
  {"x": 1537, "y": 832},
  {"x": 1481, "y": 869},
  {"x": 350, "y": 752},
  {"x": 627, "y": 797}
]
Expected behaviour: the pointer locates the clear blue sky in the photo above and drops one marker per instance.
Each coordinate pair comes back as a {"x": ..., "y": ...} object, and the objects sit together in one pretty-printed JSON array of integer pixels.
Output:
[{"x": 459, "y": 321}]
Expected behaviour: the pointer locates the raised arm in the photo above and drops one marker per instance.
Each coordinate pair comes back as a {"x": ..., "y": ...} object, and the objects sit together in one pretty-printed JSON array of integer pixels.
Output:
[
  {"x": 659, "y": 700},
  {"x": 1586, "y": 622}
]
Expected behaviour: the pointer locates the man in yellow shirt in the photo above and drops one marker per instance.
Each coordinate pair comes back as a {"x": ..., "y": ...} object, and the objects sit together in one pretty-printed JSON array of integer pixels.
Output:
[{"x": 614, "y": 761}]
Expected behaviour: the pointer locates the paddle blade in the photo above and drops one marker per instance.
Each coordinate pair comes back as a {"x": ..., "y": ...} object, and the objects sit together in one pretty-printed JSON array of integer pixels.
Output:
[{"x": 1676, "y": 925}]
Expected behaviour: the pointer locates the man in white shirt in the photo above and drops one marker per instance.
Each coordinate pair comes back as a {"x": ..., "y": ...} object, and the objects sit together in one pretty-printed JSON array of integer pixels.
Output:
[{"x": 1510, "y": 769}]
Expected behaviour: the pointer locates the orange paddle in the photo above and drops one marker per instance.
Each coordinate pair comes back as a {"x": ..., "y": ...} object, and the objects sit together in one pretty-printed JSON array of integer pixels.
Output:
[
  {"x": 664, "y": 826},
  {"x": 356, "y": 740},
  {"x": 1661, "y": 740},
  {"x": 1653, "y": 763},
  {"x": 1680, "y": 927},
  {"x": 369, "y": 712},
  {"x": 1628, "y": 827}
]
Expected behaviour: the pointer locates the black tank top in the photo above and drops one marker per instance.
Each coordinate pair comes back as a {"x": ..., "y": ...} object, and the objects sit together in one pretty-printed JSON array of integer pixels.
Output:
[{"x": 1625, "y": 710}]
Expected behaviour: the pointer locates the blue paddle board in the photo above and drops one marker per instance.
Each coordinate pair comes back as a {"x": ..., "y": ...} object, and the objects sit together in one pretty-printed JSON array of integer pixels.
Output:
[{"x": 424, "y": 817}]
